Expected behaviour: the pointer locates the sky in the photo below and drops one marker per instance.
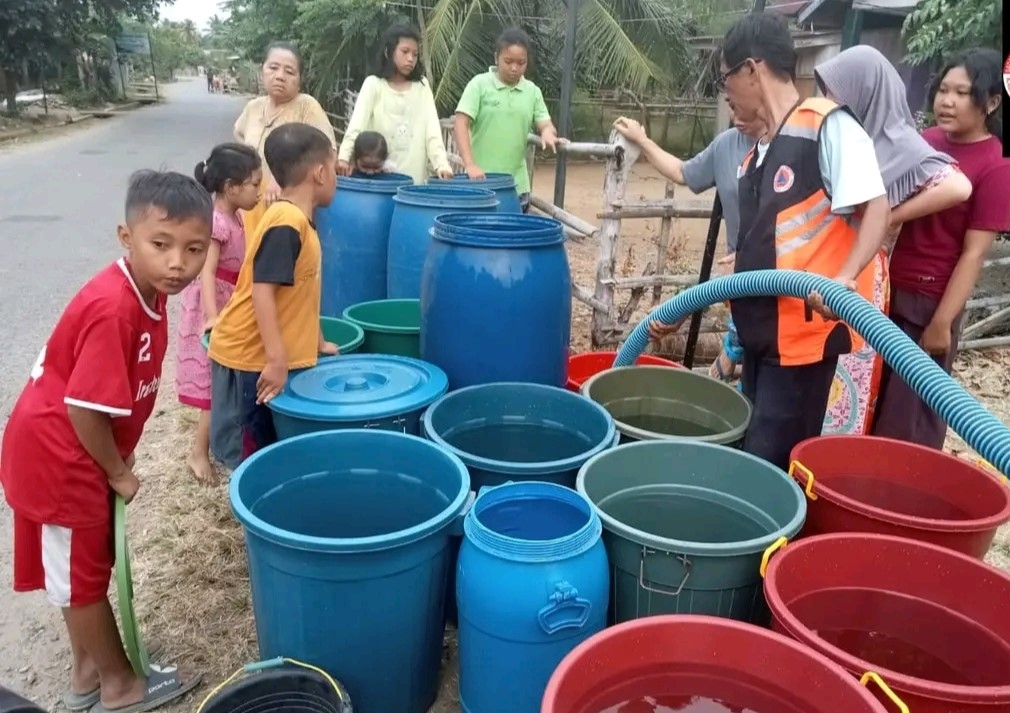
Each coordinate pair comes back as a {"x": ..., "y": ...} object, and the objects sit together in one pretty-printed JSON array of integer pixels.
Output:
[{"x": 199, "y": 11}]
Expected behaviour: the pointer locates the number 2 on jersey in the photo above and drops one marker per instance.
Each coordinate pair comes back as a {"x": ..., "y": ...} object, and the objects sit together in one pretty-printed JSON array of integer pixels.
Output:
[{"x": 145, "y": 348}]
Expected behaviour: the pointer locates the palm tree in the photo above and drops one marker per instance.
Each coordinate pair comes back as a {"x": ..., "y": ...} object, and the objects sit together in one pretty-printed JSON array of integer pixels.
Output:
[
  {"x": 628, "y": 43},
  {"x": 633, "y": 44}
]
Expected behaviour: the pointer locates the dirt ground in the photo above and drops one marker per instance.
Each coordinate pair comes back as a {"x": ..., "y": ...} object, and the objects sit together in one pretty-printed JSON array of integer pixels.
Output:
[{"x": 190, "y": 579}]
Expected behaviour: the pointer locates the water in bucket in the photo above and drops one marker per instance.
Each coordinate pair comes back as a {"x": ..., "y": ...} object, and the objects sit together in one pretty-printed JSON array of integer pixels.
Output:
[
  {"x": 519, "y": 442},
  {"x": 899, "y": 497},
  {"x": 884, "y": 628},
  {"x": 678, "y": 704},
  {"x": 675, "y": 514}
]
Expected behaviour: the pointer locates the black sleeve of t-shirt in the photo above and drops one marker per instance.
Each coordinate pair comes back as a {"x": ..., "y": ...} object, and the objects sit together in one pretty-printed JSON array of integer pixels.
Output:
[{"x": 274, "y": 262}]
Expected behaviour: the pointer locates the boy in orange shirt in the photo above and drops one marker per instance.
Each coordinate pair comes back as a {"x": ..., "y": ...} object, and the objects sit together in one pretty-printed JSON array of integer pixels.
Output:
[{"x": 271, "y": 324}]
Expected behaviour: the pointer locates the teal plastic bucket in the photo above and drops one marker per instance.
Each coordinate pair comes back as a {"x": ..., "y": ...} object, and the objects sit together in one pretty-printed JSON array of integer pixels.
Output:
[
  {"x": 347, "y": 534},
  {"x": 686, "y": 525}
]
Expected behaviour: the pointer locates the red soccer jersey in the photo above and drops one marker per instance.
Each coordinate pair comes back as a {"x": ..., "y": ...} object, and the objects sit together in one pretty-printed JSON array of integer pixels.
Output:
[{"x": 105, "y": 354}]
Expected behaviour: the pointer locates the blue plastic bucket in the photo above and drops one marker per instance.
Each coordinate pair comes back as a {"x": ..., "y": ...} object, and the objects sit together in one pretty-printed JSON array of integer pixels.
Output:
[
  {"x": 515, "y": 432},
  {"x": 347, "y": 535},
  {"x": 532, "y": 584}
]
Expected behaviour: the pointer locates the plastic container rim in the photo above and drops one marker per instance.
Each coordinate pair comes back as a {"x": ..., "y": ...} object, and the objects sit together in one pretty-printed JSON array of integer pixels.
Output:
[
  {"x": 388, "y": 183},
  {"x": 754, "y": 545},
  {"x": 729, "y": 436},
  {"x": 580, "y": 541},
  {"x": 446, "y": 195},
  {"x": 913, "y": 522},
  {"x": 375, "y": 326},
  {"x": 935, "y": 690},
  {"x": 636, "y": 629},
  {"x": 527, "y": 231},
  {"x": 359, "y": 334},
  {"x": 261, "y": 528},
  {"x": 510, "y": 467}
]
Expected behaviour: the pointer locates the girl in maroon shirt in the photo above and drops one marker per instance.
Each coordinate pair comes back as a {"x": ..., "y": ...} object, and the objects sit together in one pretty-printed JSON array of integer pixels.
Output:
[{"x": 937, "y": 258}]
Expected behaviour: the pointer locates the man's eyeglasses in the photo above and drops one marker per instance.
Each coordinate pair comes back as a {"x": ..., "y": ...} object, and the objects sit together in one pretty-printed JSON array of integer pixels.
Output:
[{"x": 720, "y": 81}]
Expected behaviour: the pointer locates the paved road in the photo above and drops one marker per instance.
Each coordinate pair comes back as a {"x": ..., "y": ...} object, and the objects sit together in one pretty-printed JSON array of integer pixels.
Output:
[{"x": 60, "y": 201}]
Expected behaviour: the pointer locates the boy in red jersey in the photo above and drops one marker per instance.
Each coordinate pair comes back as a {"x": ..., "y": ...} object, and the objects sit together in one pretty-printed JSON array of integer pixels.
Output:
[{"x": 68, "y": 446}]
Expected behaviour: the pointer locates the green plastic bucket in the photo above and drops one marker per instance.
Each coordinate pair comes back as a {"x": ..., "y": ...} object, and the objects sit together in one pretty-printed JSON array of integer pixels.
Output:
[
  {"x": 346, "y": 335},
  {"x": 687, "y": 525},
  {"x": 390, "y": 326},
  {"x": 656, "y": 402}
]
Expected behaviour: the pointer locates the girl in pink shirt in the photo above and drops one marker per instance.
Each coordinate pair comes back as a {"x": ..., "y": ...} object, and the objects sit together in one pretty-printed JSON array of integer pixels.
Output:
[
  {"x": 232, "y": 175},
  {"x": 937, "y": 258}
]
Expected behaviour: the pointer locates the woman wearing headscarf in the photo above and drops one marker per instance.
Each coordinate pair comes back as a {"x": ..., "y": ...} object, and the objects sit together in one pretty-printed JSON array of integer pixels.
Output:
[
  {"x": 284, "y": 103},
  {"x": 919, "y": 181}
]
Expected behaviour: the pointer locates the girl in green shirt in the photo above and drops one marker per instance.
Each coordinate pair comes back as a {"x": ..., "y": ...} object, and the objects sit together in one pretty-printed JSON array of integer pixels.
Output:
[{"x": 496, "y": 113}]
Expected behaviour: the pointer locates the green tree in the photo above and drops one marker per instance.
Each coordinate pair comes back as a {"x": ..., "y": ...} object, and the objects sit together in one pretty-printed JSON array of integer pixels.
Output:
[
  {"x": 34, "y": 32},
  {"x": 253, "y": 24},
  {"x": 938, "y": 28}
]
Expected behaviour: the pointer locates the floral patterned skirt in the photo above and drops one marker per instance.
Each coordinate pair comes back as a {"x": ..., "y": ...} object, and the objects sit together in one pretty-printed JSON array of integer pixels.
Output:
[{"x": 857, "y": 379}]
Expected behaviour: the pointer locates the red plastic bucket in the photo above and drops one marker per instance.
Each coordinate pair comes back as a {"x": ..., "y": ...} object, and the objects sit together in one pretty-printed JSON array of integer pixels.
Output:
[
  {"x": 583, "y": 366},
  {"x": 930, "y": 622},
  {"x": 869, "y": 484},
  {"x": 673, "y": 658}
]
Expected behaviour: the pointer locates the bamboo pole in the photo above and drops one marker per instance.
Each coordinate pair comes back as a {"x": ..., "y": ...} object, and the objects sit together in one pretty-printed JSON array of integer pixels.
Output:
[
  {"x": 563, "y": 216},
  {"x": 655, "y": 211},
  {"x": 994, "y": 301},
  {"x": 653, "y": 281},
  {"x": 990, "y": 343},
  {"x": 664, "y": 242},
  {"x": 990, "y": 321}
]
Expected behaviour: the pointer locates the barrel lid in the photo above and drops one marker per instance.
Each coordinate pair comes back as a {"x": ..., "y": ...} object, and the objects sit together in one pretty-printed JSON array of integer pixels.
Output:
[{"x": 359, "y": 387}]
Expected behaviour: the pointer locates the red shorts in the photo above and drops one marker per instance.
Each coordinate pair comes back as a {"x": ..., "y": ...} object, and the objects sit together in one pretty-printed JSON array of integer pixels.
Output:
[{"x": 73, "y": 565}]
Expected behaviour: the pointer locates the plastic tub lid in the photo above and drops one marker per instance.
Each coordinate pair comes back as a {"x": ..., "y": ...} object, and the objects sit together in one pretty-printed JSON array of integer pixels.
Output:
[{"x": 361, "y": 387}]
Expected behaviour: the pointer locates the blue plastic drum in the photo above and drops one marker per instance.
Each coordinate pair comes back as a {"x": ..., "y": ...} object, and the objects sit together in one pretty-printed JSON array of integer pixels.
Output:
[
  {"x": 503, "y": 184},
  {"x": 496, "y": 300},
  {"x": 531, "y": 585},
  {"x": 354, "y": 235}
]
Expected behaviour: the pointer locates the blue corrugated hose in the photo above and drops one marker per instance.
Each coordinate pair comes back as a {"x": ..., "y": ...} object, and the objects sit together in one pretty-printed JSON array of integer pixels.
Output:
[{"x": 979, "y": 428}]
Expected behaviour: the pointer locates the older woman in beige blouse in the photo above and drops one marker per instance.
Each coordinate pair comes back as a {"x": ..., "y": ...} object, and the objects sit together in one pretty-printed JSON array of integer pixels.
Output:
[{"x": 284, "y": 103}]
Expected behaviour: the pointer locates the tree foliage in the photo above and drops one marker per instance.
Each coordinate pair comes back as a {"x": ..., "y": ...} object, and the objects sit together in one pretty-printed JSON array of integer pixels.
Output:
[
  {"x": 634, "y": 44},
  {"x": 938, "y": 28},
  {"x": 34, "y": 33}
]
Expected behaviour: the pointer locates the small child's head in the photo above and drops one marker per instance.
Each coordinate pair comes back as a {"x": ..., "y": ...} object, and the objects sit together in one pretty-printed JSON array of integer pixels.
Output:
[
  {"x": 233, "y": 172},
  {"x": 512, "y": 55},
  {"x": 370, "y": 153},
  {"x": 301, "y": 157},
  {"x": 400, "y": 56},
  {"x": 167, "y": 230}
]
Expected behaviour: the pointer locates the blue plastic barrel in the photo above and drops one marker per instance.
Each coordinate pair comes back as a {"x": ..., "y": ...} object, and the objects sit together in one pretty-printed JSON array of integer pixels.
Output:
[
  {"x": 531, "y": 585},
  {"x": 410, "y": 230},
  {"x": 496, "y": 300},
  {"x": 358, "y": 391},
  {"x": 347, "y": 534},
  {"x": 503, "y": 184},
  {"x": 354, "y": 234}
]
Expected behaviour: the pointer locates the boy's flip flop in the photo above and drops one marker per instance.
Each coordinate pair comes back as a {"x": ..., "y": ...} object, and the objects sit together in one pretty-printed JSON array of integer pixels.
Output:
[
  {"x": 76, "y": 702},
  {"x": 164, "y": 685}
]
